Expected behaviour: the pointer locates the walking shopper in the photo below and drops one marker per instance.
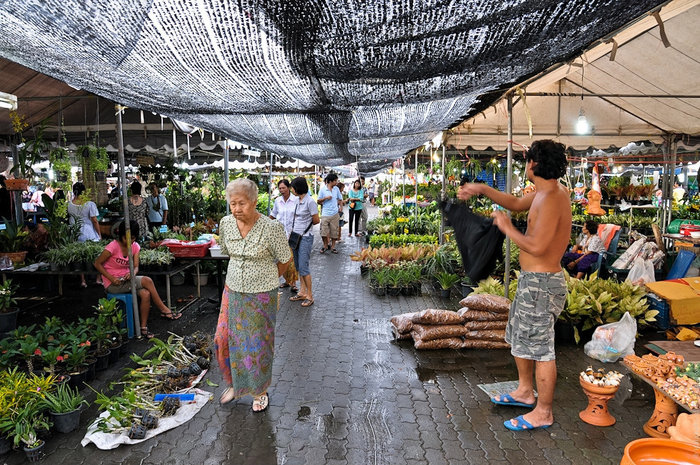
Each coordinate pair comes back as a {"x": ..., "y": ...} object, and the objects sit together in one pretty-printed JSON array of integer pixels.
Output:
[
  {"x": 138, "y": 208},
  {"x": 157, "y": 207},
  {"x": 363, "y": 212},
  {"x": 83, "y": 212},
  {"x": 305, "y": 216},
  {"x": 331, "y": 199},
  {"x": 586, "y": 251},
  {"x": 355, "y": 207},
  {"x": 113, "y": 265},
  {"x": 283, "y": 211},
  {"x": 541, "y": 292},
  {"x": 245, "y": 333}
]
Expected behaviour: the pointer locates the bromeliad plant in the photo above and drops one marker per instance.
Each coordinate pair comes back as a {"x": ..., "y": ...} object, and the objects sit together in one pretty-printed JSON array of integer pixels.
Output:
[{"x": 447, "y": 280}]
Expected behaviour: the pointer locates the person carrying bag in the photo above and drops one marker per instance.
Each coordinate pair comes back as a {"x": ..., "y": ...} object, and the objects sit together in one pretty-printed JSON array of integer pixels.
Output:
[{"x": 294, "y": 237}]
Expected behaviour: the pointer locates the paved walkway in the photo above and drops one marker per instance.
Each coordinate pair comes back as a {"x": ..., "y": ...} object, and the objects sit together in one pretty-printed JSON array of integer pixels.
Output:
[{"x": 344, "y": 393}]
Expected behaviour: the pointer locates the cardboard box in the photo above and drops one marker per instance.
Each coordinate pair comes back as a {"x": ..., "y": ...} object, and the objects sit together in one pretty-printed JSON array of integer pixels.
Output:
[{"x": 683, "y": 296}]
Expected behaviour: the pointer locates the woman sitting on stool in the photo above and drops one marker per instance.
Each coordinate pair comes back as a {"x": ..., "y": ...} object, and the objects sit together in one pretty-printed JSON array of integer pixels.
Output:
[
  {"x": 586, "y": 251},
  {"x": 113, "y": 265}
]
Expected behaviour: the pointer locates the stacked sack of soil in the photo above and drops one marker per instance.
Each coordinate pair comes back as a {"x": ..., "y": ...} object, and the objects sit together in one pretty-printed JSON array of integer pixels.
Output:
[
  {"x": 485, "y": 317},
  {"x": 481, "y": 324}
]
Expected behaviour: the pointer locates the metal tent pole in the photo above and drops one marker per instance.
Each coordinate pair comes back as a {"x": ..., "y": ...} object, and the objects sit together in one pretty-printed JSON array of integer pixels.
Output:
[
  {"x": 442, "y": 197},
  {"x": 226, "y": 156},
  {"x": 269, "y": 182},
  {"x": 125, "y": 205},
  {"x": 403, "y": 182},
  {"x": 509, "y": 189},
  {"x": 415, "y": 178}
]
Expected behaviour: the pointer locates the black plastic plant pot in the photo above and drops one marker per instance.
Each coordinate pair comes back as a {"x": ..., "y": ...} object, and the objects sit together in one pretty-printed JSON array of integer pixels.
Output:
[
  {"x": 66, "y": 422},
  {"x": 170, "y": 405},
  {"x": 149, "y": 420},
  {"x": 34, "y": 454},
  {"x": 139, "y": 412},
  {"x": 445, "y": 293},
  {"x": 102, "y": 362},
  {"x": 137, "y": 431},
  {"x": 173, "y": 372},
  {"x": 195, "y": 369},
  {"x": 114, "y": 354},
  {"x": 203, "y": 362}
]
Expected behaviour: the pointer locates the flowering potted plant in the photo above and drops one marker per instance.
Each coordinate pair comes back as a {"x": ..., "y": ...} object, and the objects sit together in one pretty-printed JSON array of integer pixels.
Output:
[
  {"x": 12, "y": 243},
  {"x": 8, "y": 311}
]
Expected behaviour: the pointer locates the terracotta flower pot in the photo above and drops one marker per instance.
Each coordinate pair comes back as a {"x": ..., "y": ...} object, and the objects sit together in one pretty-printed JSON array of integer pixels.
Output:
[
  {"x": 597, "y": 413},
  {"x": 656, "y": 451}
]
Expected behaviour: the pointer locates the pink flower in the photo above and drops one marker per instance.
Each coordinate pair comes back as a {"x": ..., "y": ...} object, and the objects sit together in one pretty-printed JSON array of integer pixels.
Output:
[
  {"x": 37, "y": 352},
  {"x": 60, "y": 358}
]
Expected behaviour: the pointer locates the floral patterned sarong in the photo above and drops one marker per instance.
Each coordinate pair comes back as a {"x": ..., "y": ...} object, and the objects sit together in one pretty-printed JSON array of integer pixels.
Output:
[{"x": 245, "y": 340}]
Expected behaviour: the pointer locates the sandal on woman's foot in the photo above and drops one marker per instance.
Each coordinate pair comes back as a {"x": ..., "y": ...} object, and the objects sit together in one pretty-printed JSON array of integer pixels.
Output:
[
  {"x": 227, "y": 396},
  {"x": 297, "y": 297},
  {"x": 334, "y": 250},
  {"x": 170, "y": 315},
  {"x": 294, "y": 290},
  {"x": 307, "y": 303},
  {"x": 283, "y": 285},
  {"x": 260, "y": 403},
  {"x": 145, "y": 333}
]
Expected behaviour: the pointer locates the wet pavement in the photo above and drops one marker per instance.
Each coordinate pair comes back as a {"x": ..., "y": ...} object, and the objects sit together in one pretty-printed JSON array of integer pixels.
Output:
[{"x": 343, "y": 392}]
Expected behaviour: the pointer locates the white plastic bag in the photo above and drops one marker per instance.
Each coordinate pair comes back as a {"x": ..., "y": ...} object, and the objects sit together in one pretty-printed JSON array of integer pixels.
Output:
[
  {"x": 642, "y": 272},
  {"x": 613, "y": 340}
]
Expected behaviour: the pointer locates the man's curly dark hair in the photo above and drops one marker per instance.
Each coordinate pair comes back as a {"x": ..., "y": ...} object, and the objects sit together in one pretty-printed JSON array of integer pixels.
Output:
[{"x": 549, "y": 157}]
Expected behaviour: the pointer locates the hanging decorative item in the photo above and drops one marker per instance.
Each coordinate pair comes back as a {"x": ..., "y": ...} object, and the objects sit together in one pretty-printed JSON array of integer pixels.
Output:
[{"x": 595, "y": 195}]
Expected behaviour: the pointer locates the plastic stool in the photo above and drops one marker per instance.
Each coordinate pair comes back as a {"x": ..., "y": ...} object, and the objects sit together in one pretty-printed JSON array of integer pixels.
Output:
[{"x": 129, "y": 312}]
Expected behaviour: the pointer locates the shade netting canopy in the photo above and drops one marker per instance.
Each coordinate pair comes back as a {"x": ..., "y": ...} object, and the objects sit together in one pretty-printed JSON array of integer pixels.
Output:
[{"x": 328, "y": 82}]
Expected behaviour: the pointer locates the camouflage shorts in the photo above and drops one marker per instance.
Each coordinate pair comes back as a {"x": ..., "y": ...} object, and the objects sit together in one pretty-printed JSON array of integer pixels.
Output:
[{"x": 539, "y": 300}]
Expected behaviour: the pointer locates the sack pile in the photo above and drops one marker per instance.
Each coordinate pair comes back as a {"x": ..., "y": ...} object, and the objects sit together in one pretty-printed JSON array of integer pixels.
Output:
[
  {"x": 481, "y": 324},
  {"x": 485, "y": 317}
]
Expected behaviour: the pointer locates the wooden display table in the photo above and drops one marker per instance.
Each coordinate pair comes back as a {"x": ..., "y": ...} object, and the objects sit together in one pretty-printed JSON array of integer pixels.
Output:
[{"x": 666, "y": 408}]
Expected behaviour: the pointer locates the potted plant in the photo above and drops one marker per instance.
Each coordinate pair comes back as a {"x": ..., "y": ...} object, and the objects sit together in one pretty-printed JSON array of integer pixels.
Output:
[
  {"x": 446, "y": 280},
  {"x": 29, "y": 349},
  {"x": 8, "y": 309},
  {"x": 12, "y": 243},
  {"x": 393, "y": 281},
  {"x": 378, "y": 281},
  {"x": 25, "y": 432},
  {"x": 64, "y": 406},
  {"x": 75, "y": 356},
  {"x": 26, "y": 156}
]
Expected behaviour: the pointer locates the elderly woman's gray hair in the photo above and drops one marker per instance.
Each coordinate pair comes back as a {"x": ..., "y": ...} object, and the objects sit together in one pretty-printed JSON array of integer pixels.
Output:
[{"x": 242, "y": 186}]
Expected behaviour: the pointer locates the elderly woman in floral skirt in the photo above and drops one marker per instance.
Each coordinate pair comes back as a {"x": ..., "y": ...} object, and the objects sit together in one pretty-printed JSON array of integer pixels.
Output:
[{"x": 245, "y": 333}]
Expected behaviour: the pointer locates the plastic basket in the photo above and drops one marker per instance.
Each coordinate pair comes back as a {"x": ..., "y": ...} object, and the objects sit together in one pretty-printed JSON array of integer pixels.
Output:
[
  {"x": 189, "y": 251},
  {"x": 663, "y": 319}
]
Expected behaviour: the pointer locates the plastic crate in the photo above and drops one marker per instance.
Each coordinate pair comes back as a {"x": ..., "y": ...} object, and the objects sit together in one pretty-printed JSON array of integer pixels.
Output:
[
  {"x": 189, "y": 250},
  {"x": 663, "y": 319}
]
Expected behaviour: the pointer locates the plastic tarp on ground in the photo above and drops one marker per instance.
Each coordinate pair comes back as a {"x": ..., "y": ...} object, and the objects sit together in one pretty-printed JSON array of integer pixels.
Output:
[{"x": 329, "y": 82}]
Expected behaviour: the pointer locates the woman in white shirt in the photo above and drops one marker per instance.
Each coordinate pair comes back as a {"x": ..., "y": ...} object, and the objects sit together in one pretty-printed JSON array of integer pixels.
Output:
[
  {"x": 585, "y": 253},
  {"x": 283, "y": 211},
  {"x": 84, "y": 213}
]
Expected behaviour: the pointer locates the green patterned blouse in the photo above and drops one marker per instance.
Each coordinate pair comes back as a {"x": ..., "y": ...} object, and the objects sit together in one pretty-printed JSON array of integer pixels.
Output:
[{"x": 253, "y": 260}]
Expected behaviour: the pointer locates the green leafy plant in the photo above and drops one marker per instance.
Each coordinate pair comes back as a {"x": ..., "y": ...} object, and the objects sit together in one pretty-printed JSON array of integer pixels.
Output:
[
  {"x": 447, "y": 280},
  {"x": 400, "y": 239},
  {"x": 64, "y": 400},
  {"x": 29, "y": 153},
  {"x": 12, "y": 239},
  {"x": 7, "y": 299}
]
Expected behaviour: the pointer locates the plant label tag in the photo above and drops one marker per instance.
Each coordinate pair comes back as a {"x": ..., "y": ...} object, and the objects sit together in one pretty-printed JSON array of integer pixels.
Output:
[
  {"x": 163, "y": 228},
  {"x": 3, "y": 226}
]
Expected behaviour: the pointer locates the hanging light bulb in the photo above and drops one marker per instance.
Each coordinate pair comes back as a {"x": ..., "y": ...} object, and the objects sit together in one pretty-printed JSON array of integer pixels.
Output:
[{"x": 582, "y": 126}]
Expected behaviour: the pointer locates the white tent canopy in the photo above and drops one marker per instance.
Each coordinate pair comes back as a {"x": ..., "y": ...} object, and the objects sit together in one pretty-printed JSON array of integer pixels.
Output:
[{"x": 647, "y": 91}]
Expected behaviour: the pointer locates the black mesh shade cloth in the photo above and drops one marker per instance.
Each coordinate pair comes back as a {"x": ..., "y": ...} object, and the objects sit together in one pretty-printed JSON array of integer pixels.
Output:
[{"x": 328, "y": 82}]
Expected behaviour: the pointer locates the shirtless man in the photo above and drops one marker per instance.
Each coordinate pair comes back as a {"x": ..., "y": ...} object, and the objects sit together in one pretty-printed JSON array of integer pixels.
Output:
[{"x": 541, "y": 292}]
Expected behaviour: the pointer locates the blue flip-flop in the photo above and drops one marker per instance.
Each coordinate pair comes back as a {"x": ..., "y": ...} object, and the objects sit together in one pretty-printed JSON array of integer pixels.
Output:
[
  {"x": 522, "y": 425},
  {"x": 507, "y": 399}
]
